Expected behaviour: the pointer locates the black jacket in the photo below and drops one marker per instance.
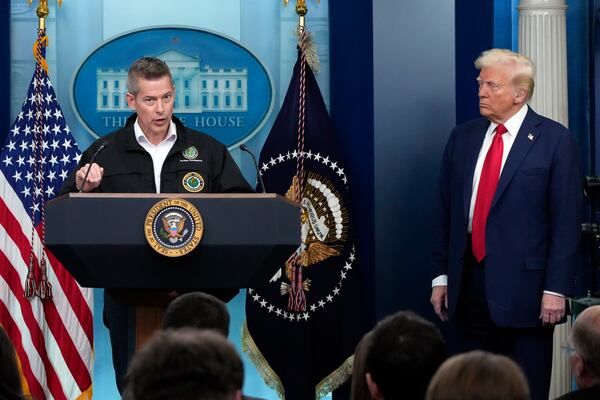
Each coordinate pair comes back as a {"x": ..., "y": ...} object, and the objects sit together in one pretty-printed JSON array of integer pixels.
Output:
[{"x": 128, "y": 167}]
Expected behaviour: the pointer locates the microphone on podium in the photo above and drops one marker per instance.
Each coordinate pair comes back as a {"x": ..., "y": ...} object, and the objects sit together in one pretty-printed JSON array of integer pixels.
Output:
[
  {"x": 245, "y": 148},
  {"x": 102, "y": 147}
]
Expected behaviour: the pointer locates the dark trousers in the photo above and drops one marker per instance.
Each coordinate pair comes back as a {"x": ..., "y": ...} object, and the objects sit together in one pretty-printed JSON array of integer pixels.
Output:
[
  {"x": 116, "y": 318},
  {"x": 531, "y": 348}
]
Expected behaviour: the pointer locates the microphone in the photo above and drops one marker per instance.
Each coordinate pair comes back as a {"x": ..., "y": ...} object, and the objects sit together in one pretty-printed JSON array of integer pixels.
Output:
[
  {"x": 102, "y": 147},
  {"x": 245, "y": 148}
]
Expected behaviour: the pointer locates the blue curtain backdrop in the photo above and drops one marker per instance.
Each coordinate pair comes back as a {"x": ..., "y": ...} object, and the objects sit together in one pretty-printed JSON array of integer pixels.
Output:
[{"x": 354, "y": 72}]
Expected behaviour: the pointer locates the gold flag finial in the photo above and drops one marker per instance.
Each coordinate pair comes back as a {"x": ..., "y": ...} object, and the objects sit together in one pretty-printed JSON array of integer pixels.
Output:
[
  {"x": 42, "y": 11},
  {"x": 297, "y": 1},
  {"x": 301, "y": 10}
]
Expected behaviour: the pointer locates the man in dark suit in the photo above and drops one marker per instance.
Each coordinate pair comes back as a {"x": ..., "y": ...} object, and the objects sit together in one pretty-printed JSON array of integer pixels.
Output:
[
  {"x": 585, "y": 359},
  {"x": 508, "y": 222}
]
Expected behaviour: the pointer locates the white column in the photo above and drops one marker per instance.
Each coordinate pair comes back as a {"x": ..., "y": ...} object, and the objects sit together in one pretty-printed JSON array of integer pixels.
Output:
[{"x": 543, "y": 38}]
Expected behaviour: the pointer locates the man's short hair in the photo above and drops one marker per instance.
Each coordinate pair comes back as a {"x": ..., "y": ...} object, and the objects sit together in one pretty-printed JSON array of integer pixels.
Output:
[
  {"x": 478, "y": 375},
  {"x": 404, "y": 352},
  {"x": 197, "y": 310},
  {"x": 148, "y": 68},
  {"x": 586, "y": 338},
  {"x": 185, "y": 364},
  {"x": 524, "y": 70}
]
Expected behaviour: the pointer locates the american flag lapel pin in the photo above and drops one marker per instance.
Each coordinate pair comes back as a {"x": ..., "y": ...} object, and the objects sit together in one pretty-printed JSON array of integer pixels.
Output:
[{"x": 530, "y": 136}]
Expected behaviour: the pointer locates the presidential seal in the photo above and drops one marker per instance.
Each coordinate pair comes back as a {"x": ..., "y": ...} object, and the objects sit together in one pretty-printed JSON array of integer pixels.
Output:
[
  {"x": 173, "y": 227},
  {"x": 193, "y": 182},
  {"x": 313, "y": 277}
]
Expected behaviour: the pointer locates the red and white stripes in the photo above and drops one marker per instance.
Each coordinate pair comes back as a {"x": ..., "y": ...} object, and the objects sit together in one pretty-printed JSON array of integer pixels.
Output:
[{"x": 53, "y": 337}]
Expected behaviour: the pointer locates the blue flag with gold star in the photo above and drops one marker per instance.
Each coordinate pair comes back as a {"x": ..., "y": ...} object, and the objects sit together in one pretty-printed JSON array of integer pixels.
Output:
[{"x": 303, "y": 325}]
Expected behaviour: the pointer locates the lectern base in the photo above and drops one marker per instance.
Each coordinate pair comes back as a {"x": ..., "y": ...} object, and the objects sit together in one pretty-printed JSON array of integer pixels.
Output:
[
  {"x": 150, "y": 305},
  {"x": 147, "y": 321}
]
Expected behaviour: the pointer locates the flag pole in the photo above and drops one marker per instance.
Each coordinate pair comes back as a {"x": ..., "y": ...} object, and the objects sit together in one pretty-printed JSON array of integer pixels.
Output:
[{"x": 36, "y": 282}]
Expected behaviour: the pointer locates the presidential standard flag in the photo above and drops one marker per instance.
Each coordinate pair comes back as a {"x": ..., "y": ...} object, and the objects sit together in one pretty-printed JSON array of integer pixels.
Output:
[
  {"x": 46, "y": 314},
  {"x": 303, "y": 325}
]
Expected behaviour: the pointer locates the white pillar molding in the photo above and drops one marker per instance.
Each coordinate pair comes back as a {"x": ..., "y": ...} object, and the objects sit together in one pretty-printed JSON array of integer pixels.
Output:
[{"x": 543, "y": 38}]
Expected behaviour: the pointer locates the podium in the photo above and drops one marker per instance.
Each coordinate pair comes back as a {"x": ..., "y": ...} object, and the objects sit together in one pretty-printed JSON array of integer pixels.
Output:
[{"x": 100, "y": 239}]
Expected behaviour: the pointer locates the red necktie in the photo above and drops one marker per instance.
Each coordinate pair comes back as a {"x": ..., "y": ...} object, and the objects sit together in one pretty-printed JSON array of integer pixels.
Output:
[{"x": 485, "y": 193}]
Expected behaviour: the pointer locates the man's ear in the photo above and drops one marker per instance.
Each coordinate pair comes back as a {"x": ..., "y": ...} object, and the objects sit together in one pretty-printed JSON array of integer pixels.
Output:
[
  {"x": 577, "y": 365},
  {"x": 238, "y": 395},
  {"x": 579, "y": 371},
  {"x": 130, "y": 100},
  {"x": 373, "y": 389},
  {"x": 520, "y": 95}
]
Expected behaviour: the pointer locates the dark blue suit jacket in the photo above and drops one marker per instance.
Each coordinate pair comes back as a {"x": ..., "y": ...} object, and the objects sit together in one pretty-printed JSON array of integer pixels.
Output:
[{"x": 533, "y": 228}]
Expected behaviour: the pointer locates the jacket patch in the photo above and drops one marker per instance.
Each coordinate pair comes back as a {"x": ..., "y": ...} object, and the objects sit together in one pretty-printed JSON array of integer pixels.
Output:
[
  {"x": 193, "y": 182},
  {"x": 191, "y": 153}
]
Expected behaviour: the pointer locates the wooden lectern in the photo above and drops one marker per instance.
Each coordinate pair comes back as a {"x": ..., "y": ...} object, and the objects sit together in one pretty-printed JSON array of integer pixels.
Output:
[{"x": 100, "y": 239}]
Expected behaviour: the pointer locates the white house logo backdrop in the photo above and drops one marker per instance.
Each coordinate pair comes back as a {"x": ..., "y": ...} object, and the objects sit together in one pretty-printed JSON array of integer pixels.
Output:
[{"x": 221, "y": 87}]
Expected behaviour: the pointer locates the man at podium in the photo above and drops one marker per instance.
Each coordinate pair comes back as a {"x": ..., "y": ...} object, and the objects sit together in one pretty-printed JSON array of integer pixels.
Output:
[{"x": 153, "y": 153}]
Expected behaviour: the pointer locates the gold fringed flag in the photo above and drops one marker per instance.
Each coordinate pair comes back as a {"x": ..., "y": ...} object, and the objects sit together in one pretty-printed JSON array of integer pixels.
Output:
[{"x": 303, "y": 324}]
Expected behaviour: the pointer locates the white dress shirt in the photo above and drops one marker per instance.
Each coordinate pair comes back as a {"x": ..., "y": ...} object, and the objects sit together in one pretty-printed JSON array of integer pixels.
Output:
[
  {"x": 158, "y": 152},
  {"x": 513, "y": 124}
]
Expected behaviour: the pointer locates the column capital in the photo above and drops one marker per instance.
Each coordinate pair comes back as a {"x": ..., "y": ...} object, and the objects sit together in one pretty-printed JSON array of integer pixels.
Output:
[
  {"x": 542, "y": 4},
  {"x": 543, "y": 38}
]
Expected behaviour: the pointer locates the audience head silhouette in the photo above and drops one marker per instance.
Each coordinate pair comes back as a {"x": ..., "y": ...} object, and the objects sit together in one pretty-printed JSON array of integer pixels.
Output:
[
  {"x": 404, "y": 352},
  {"x": 585, "y": 340},
  {"x": 185, "y": 364},
  {"x": 10, "y": 380},
  {"x": 197, "y": 310},
  {"x": 478, "y": 375}
]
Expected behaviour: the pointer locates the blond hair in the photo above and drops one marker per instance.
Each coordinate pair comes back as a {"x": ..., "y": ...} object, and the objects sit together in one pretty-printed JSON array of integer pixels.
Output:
[{"x": 524, "y": 70}]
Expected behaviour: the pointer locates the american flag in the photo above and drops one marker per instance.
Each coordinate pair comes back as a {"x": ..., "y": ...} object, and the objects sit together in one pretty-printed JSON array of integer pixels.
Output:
[{"x": 53, "y": 336}]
